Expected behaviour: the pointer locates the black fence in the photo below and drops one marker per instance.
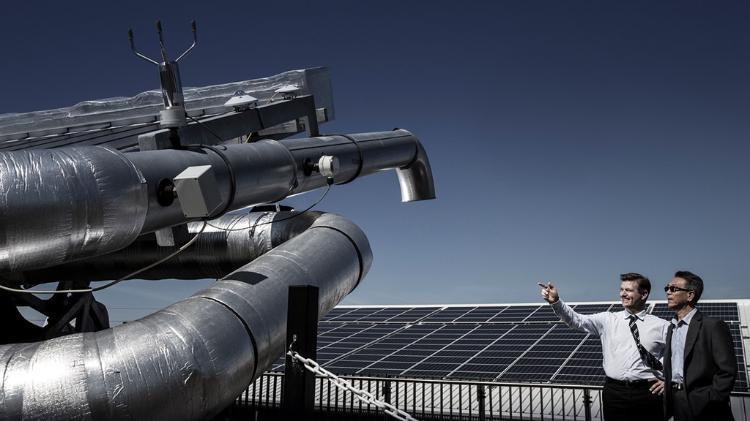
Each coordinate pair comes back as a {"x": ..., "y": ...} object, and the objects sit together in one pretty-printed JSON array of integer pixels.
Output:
[
  {"x": 443, "y": 400},
  {"x": 436, "y": 399}
]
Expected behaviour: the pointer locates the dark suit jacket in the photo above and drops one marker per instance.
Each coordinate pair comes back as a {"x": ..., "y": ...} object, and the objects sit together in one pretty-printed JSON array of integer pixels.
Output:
[{"x": 710, "y": 368}]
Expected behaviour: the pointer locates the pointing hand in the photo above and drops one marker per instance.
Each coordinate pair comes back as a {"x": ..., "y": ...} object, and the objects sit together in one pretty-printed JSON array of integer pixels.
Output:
[{"x": 549, "y": 292}]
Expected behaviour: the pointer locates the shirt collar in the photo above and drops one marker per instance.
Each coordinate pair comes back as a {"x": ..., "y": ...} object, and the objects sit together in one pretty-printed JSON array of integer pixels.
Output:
[
  {"x": 688, "y": 317},
  {"x": 640, "y": 315}
]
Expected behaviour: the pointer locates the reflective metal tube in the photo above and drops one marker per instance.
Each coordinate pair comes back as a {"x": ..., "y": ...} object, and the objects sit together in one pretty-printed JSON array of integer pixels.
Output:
[
  {"x": 64, "y": 204},
  {"x": 193, "y": 358},
  {"x": 67, "y": 204},
  {"x": 225, "y": 244}
]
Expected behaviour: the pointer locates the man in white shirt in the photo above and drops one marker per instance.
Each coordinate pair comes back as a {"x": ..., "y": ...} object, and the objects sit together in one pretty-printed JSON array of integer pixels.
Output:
[{"x": 633, "y": 343}]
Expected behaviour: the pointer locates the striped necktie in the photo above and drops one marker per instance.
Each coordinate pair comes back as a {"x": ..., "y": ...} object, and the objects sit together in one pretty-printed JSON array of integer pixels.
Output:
[{"x": 647, "y": 357}]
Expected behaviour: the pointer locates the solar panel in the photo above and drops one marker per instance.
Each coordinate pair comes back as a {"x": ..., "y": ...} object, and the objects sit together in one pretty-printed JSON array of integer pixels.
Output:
[
  {"x": 514, "y": 314},
  {"x": 545, "y": 358},
  {"x": 543, "y": 314},
  {"x": 584, "y": 366},
  {"x": 741, "y": 381},
  {"x": 481, "y": 314},
  {"x": 595, "y": 308},
  {"x": 724, "y": 311},
  {"x": 413, "y": 315},
  {"x": 502, "y": 343},
  {"x": 448, "y": 314}
]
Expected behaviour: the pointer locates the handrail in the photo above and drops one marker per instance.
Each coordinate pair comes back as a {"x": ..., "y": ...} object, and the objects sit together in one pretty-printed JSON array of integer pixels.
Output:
[
  {"x": 453, "y": 399},
  {"x": 464, "y": 382}
]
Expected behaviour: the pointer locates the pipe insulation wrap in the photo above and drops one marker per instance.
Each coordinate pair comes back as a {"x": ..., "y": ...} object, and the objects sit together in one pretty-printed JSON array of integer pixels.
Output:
[
  {"x": 333, "y": 254},
  {"x": 227, "y": 243},
  {"x": 66, "y": 204},
  {"x": 193, "y": 358},
  {"x": 264, "y": 171}
]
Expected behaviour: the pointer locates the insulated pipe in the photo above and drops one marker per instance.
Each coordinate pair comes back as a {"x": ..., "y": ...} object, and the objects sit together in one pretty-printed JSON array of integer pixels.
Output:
[
  {"x": 63, "y": 204},
  {"x": 225, "y": 244},
  {"x": 193, "y": 358},
  {"x": 67, "y": 204}
]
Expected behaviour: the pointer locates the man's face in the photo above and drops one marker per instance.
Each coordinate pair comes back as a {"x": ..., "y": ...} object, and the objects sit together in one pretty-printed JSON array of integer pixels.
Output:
[
  {"x": 630, "y": 297},
  {"x": 679, "y": 298}
]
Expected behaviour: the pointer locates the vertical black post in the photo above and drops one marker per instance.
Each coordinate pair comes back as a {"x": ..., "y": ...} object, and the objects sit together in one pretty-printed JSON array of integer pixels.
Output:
[
  {"x": 480, "y": 399},
  {"x": 302, "y": 337},
  {"x": 587, "y": 404},
  {"x": 387, "y": 391}
]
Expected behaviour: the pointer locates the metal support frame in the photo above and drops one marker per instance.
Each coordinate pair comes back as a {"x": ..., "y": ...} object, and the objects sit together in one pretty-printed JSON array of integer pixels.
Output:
[
  {"x": 241, "y": 123},
  {"x": 66, "y": 314},
  {"x": 301, "y": 336}
]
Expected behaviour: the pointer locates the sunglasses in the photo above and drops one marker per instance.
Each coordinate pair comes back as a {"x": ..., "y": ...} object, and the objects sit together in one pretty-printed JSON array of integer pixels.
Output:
[{"x": 673, "y": 289}]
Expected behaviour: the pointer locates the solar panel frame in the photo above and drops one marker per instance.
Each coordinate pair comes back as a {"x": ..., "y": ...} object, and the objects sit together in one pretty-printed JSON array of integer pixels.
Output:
[{"x": 527, "y": 344}]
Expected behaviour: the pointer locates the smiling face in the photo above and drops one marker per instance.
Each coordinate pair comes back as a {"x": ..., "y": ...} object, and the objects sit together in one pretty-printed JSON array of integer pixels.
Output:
[
  {"x": 631, "y": 298},
  {"x": 680, "y": 298}
]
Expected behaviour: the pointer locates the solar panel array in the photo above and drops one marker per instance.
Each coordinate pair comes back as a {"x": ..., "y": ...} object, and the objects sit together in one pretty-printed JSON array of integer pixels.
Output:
[
  {"x": 730, "y": 314},
  {"x": 489, "y": 343}
]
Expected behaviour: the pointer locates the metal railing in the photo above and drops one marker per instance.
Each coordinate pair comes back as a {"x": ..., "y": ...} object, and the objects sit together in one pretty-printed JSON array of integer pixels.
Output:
[
  {"x": 441, "y": 399},
  {"x": 427, "y": 399}
]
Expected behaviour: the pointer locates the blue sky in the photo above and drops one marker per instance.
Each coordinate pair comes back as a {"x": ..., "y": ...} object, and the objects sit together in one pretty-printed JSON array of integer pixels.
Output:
[{"x": 570, "y": 141}]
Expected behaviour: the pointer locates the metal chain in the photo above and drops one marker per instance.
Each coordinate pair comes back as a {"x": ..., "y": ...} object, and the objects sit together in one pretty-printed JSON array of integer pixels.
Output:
[{"x": 362, "y": 395}]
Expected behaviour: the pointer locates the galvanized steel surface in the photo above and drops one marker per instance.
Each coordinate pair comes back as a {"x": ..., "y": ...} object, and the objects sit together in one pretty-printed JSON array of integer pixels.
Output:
[
  {"x": 66, "y": 204},
  {"x": 225, "y": 244},
  {"x": 191, "y": 359}
]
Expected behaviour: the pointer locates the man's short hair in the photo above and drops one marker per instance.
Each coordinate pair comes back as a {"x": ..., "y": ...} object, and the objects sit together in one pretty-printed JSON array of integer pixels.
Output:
[
  {"x": 693, "y": 282},
  {"x": 643, "y": 282}
]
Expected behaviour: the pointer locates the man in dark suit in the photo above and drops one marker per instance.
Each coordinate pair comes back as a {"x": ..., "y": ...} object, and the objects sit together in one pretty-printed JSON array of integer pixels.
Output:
[{"x": 699, "y": 360}]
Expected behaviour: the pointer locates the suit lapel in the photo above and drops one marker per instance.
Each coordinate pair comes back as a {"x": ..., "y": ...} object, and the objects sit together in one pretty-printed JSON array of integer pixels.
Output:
[{"x": 692, "y": 334}]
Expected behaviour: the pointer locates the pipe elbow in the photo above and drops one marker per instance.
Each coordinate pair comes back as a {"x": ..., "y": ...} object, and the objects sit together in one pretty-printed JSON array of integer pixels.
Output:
[{"x": 415, "y": 179}]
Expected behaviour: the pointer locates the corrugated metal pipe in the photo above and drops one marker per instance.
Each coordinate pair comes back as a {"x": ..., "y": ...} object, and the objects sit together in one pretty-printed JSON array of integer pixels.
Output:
[
  {"x": 191, "y": 359},
  {"x": 61, "y": 205}
]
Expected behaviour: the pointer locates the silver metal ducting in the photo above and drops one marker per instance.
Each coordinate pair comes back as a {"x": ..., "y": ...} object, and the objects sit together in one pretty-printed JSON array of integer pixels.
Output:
[
  {"x": 415, "y": 178},
  {"x": 225, "y": 244},
  {"x": 59, "y": 205},
  {"x": 191, "y": 359},
  {"x": 69, "y": 204}
]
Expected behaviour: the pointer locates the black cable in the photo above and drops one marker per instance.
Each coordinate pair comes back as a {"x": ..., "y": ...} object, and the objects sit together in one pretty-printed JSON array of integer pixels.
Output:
[
  {"x": 115, "y": 282},
  {"x": 204, "y": 127},
  {"x": 359, "y": 151},
  {"x": 233, "y": 180},
  {"x": 328, "y": 188}
]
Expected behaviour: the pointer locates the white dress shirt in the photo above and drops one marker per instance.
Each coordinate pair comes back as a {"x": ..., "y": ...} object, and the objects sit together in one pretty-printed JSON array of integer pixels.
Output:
[
  {"x": 679, "y": 334},
  {"x": 621, "y": 359}
]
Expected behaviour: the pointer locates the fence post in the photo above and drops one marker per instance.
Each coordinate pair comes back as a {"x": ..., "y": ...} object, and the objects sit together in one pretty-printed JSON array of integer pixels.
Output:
[
  {"x": 587, "y": 404},
  {"x": 480, "y": 399},
  {"x": 301, "y": 335},
  {"x": 387, "y": 391}
]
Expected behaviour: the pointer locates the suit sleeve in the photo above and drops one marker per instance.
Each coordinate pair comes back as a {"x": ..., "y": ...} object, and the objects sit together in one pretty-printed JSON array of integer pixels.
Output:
[
  {"x": 725, "y": 362},
  {"x": 591, "y": 323}
]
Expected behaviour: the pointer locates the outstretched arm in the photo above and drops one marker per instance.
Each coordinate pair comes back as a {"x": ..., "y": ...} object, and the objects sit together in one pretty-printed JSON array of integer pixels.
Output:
[{"x": 589, "y": 323}]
